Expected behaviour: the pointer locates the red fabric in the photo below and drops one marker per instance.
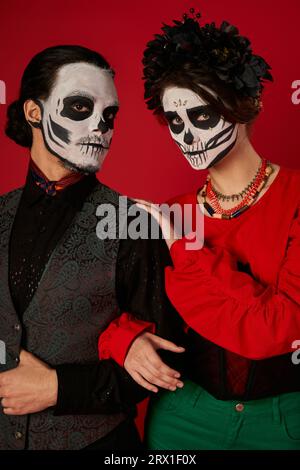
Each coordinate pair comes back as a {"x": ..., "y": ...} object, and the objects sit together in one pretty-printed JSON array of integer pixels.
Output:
[
  {"x": 119, "y": 335},
  {"x": 256, "y": 316},
  {"x": 51, "y": 187},
  {"x": 127, "y": 26}
]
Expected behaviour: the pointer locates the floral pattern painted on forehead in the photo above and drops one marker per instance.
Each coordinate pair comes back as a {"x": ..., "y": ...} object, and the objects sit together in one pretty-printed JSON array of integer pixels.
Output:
[{"x": 221, "y": 50}]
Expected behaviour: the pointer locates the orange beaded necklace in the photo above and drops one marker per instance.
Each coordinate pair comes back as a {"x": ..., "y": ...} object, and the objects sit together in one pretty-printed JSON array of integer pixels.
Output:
[{"x": 215, "y": 209}]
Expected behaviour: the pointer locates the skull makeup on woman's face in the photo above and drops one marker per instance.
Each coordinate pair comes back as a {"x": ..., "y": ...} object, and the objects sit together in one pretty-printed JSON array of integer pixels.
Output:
[
  {"x": 202, "y": 134},
  {"x": 78, "y": 116}
]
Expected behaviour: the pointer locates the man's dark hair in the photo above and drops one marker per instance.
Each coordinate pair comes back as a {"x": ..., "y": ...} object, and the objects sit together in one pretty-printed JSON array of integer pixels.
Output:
[{"x": 38, "y": 80}]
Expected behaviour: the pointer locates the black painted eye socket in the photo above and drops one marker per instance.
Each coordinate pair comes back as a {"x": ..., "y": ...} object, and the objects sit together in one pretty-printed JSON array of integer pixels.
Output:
[
  {"x": 175, "y": 122},
  {"x": 109, "y": 115},
  {"x": 77, "y": 108},
  {"x": 203, "y": 117}
]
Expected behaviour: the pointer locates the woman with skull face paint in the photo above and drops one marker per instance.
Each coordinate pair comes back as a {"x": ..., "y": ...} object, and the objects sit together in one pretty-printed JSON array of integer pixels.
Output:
[{"x": 239, "y": 293}]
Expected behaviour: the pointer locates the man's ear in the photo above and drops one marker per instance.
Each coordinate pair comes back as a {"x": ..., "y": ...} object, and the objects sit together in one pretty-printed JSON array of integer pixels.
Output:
[{"x": 33, "y": 113}]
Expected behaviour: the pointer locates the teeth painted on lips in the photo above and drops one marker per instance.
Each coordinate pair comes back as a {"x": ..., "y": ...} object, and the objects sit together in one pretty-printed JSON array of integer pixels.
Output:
[
  {"x": 196, "y": 161},
  {"x": 93, "y": 148},
  {"x": 93, "y": 140}
]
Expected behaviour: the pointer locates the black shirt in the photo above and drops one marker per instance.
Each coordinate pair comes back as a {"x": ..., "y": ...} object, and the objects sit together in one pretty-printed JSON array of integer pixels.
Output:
[{"x": 40, "y": 222}]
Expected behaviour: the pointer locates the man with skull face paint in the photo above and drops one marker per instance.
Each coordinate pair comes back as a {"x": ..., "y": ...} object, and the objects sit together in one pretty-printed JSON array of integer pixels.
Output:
[
  {"x": 239, "y": 294},
  {"x": 70, "y": 116},
  {"x": 60, "y": 285}
]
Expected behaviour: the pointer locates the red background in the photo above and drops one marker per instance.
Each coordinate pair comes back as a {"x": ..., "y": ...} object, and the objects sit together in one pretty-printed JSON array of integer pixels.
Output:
[{"x": 143, "y": 161}]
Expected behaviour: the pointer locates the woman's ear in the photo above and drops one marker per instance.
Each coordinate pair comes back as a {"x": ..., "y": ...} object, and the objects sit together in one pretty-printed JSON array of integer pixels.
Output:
[{"x": 32, "y": 113}]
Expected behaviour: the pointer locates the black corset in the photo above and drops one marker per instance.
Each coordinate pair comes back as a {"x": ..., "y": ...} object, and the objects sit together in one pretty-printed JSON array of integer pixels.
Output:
[{"x": 206, "y": 365}]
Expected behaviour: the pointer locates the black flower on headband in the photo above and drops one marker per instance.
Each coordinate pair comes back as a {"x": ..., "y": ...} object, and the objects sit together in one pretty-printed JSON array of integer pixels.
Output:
[{"x": 222, "y": 51}]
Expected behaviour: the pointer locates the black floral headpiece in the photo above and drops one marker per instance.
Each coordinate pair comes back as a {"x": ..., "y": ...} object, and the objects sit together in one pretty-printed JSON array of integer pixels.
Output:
[{"x": 222, "y": 51}]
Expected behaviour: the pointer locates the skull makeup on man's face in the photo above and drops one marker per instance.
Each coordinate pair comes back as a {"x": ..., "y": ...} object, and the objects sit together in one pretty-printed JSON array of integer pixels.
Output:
[
  {"x": 78, "y": 116},
  {"x": 202, "y": 134}
]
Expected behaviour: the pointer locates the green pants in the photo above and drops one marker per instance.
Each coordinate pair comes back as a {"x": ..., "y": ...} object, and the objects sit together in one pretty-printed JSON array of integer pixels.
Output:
[{"x": 192, "y": 419}]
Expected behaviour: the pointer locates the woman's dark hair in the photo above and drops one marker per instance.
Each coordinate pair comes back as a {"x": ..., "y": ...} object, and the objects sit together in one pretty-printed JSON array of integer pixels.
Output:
[
  {"x": 188, "y": 55},
  {"x": 228, "y": 104},
  {"x": 38, "y": 80}
]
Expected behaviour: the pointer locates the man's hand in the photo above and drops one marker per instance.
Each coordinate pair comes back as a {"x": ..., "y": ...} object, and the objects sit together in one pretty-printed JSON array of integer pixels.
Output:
[
  {"x": 146, "y": 367},
  {"x": 29, "y": 388}
]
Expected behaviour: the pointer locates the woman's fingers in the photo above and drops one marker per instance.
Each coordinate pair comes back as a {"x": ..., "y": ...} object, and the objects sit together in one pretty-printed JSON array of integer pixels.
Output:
[
  {"x": 143, "y": 201},
  {"x": 169, "y": 384},
  {"x": 7, "y": 402},
  {"x": 145, "y": 366},
  {"x": 154, "y": 373},
  {"x": 168, "y": 380},
  {"x": 141, "y": 381},
  {"x": 159, "y": 367},
  {"x": 150, "y": 207},
  {"x": 166, "y": 225},
  {"x": 155, "y": 213},
  {"x": 167, "y": 345},
  {"x": 11, "y": 411},
  {"x": 157, "y": 363}
]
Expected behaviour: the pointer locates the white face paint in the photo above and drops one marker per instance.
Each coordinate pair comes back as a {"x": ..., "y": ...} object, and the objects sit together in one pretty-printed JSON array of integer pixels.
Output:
[
  {"x": 78, "y": 116},
  {"x": 203, "y": 136}
]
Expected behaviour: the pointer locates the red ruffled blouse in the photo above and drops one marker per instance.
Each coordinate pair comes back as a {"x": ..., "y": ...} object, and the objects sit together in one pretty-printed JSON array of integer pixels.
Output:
[{"x": 254, "y": 314}]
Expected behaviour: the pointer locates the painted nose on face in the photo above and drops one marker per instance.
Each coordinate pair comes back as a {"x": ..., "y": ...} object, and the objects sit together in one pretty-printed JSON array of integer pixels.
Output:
[
  {"x": 103, "y": 126},
  {"x": 188, "y": 138}
]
